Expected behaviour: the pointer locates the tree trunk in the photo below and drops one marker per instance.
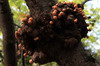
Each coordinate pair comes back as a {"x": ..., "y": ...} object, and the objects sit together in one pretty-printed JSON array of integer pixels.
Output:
[
  {"x": 38, "y": 7},
  {"x": 7, "y": 27},
  {"x": 76, "y": 57},
  {"x": 64, "y": 56}
]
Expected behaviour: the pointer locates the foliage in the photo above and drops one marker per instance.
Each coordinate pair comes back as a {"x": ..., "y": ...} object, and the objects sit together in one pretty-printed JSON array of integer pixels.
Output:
[
  {"x": 19, "y": 9},
  {"x": 1, "y": 56},
  {"x": 93, "y": 41},
  {"x": 76, "y": 1}
]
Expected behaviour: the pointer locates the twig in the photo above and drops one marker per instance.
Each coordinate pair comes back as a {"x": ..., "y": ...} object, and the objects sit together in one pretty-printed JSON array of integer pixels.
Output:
[
  {"x": 85, "y": 2},
  {"x": 23, "y": 58},
  {"x": 17, "y": 25}
]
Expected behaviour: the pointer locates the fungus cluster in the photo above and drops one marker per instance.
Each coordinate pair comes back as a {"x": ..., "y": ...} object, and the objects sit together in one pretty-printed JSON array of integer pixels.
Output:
[{"x": 64, "y": 26}]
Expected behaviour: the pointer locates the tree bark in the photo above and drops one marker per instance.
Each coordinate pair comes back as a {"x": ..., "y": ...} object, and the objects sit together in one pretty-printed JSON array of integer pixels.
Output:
[
  {"x": 7, "y": 27},
  {"x": 76, "y": 56},
  {"x": 38, "y": 7}
]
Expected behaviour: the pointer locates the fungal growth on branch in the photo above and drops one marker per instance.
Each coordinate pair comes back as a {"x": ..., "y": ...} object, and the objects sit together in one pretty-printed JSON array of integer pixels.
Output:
[{"x": 44, "y": 37}]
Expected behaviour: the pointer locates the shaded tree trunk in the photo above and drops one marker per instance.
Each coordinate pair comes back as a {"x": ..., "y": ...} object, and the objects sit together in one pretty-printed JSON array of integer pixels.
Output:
[
  {"x": 76, "y": 56},
  {"x": 38, "y": 7},
  {"x": 6, "y": 24}
]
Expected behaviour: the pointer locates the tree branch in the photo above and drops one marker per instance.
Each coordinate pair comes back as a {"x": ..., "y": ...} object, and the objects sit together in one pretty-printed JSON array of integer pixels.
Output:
[
  {"x": 85, "y": 1},
  {"x": 23, "y": 58},
  {"x": 17, "y": 25}
]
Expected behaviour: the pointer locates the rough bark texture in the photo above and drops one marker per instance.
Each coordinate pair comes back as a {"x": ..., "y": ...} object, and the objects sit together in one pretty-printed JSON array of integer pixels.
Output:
[
  {"x": 6, "y": 24},
  {"x": 71, "y": 55},
  {"x": 76, "y": 57},
  {"x": 39, "y": 7}
]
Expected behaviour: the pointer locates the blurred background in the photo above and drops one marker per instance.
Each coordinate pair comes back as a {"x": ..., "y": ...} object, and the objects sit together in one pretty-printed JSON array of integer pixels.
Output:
[{"x": 91, "y": 43}]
